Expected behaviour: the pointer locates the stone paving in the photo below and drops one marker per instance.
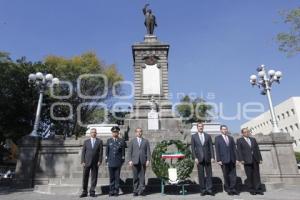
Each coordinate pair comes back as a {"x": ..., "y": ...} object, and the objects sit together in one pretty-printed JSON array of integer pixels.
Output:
[{"x": 287, "y": 193}]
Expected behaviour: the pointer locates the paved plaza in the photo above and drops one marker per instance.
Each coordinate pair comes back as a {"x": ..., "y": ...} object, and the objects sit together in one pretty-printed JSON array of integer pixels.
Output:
[{"x": 288, "y": 193}]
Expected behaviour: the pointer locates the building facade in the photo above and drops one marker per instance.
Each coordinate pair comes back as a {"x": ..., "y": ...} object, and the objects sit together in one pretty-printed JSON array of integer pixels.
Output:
[{"x": 288, "y": 116}]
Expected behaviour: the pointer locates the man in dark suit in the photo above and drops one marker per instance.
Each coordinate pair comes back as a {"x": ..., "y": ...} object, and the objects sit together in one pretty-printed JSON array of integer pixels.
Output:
[
  {"x": 115, "y": 157},
  {"x": 139, "y": 158},
  {"x": 226, "y": 158},
  {"x": 203, "y": 153},
  {"x": 249, "y": 155},
  {"x": 91, "y": 159}
]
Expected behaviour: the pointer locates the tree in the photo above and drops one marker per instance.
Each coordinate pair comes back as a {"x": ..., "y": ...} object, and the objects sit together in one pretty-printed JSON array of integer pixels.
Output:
[
  {"x": 18, "y": 101},
  {"x": 289, "y": 42},
  {"x": 194, "y": 110},
  {"x": 70, "y": 70}
]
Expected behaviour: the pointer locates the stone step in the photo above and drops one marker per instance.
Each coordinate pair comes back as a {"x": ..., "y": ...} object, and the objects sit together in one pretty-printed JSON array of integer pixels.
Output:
[
  {"x": 75, "y": 181},
  {"x": 154, "y": 188},
  {"x": 273, "y": 185}
]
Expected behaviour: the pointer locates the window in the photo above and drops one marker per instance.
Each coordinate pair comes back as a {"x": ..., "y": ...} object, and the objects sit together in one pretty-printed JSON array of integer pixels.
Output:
[
  {"x": 281, "y": 130},
  {"x": 297, "y": 126},
  {"x": 287, "y": 113},
  {"x": 286, "y": 129},
  {"x": 278, "y": 117},
  {"x": 283, "y": 116},
  {"x": 264, "y": 123},
  {"x": 293, "y": 111},
  {"x": 292, "y": 128},
  {"x": 267, "y": 122}
]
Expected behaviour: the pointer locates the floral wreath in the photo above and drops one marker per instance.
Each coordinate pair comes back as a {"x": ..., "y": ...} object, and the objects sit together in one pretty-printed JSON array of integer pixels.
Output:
[{"x": 184, "y": 164}]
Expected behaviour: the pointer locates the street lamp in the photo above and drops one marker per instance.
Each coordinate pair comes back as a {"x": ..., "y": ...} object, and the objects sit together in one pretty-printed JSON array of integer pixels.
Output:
[
  {"x": 265, "y": 83},
  {"x": 41, "y": 81}
]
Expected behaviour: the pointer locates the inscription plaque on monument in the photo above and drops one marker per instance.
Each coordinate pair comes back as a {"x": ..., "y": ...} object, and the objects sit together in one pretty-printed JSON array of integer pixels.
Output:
[{"x": 151, "y": 80}]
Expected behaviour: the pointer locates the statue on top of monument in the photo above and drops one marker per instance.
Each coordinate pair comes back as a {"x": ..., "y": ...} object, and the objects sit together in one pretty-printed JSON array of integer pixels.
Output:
[{"x": 150, "y": 21}]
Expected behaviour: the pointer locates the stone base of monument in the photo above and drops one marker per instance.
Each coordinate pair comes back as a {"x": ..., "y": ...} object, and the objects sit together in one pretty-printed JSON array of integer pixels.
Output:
[
  {"x": 211, "y": 128},
  {"x": 102, "y": 129},
  {"x": 53, "y": 166}
]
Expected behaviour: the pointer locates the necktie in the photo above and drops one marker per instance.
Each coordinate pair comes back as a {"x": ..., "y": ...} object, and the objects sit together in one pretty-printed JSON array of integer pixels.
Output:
[
  {"x": 249, "y": 141},
  {"x": 226, "y": 140},
  {"x": 139, "y": 141},
  {"x": 93, "y": 142},
  {"x": 201, "y": 138}
]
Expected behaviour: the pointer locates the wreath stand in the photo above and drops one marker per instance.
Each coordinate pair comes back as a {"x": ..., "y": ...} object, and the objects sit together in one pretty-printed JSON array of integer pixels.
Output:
[{"x": 172, "y": 174}]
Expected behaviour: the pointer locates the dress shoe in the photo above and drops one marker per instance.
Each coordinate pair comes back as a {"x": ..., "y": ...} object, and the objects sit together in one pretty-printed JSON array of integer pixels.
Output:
[
  {"x": 234, "y": 192},
  {"x": 111, "y": 194},
  {"x": 209, "y": 192},
  {"x": 92, "y": 195},
  {"x": 259, "y": 192},
  {"x": 141, "y": 193},
  {"x": 202, "y": 193},
  {"x": 83, "y": 195},
  {"x": 230, "y": 193},
  {"x": 135, "y": 194},
  {"x": 252, "y": 193}
]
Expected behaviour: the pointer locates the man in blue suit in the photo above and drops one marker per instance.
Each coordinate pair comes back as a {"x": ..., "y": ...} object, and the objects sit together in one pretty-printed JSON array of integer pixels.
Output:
[{"x": 226, "y": 156}]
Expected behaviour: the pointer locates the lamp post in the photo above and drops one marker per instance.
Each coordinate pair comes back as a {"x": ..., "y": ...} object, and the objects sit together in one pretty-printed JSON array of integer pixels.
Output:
[
  {"x": 41, "y": 81},
  {"x": 265, "y": 83}
]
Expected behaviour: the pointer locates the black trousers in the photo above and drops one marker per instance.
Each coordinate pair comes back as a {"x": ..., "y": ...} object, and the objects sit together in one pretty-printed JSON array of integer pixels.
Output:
[
  {"x": 229, "y": 173},
  {"x": 205, "y": 183},
  {"x": 139, "y": 171},
  {"x": 94, "y": 176},
  {"x": 114, "y": 179},
  {"x": 253, "y": 176}
]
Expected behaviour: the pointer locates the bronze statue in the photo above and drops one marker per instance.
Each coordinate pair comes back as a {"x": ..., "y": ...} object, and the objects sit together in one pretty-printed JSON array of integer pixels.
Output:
[{"x": 150, "y": 21}]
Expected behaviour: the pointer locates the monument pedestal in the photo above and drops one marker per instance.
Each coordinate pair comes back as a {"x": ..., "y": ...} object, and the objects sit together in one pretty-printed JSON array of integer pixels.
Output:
[{"x": 153, "y": 122}]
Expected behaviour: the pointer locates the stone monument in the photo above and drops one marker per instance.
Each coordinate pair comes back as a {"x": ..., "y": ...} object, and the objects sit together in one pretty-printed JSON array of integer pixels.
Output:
[{"x": 150, "y": 64}]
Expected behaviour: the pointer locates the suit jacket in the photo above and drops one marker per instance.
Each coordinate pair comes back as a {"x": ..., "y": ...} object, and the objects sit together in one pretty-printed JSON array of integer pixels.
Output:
[
  {"x": 246, "y": 153},
  {"x": 225, "y": 153},
  {"x": 139, "y": 154},
  {"x": 115, "y": 152},
  {"x": 203, "y": 152},
  {"x": 91, "y": 156}
]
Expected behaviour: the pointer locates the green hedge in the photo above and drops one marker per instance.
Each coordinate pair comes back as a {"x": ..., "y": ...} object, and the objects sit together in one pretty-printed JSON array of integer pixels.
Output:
[{"x": 297, "y": 154}]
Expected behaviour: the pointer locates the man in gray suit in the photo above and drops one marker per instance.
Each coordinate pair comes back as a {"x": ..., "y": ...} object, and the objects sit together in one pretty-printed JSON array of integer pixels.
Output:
[
  {"x": 91, "y": 159},
  {"x": 139, "y": 158},
  {"x": 203, "y": 153}
]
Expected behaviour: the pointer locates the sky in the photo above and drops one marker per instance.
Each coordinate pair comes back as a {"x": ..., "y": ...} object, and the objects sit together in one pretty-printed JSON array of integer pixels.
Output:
[{"x": 215, "y": 45}]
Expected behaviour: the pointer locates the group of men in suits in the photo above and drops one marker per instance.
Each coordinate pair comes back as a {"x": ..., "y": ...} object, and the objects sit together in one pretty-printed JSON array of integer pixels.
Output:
[
  {"x": 228, "y": 154},
  {"x": 138, "y": 158}
]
